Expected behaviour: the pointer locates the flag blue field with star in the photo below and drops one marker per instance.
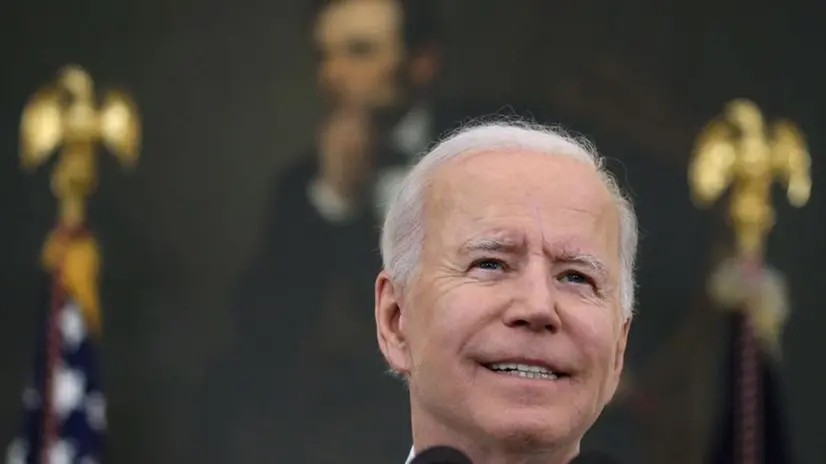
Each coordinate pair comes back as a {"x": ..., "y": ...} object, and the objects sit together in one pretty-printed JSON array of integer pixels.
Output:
[{"x": 68, "y": 425}]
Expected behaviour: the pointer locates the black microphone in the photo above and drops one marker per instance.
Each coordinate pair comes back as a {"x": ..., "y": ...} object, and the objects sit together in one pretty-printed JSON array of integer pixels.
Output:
[
  {"x": 441, "y": 455},
  {"x": 594, "y": 457}
]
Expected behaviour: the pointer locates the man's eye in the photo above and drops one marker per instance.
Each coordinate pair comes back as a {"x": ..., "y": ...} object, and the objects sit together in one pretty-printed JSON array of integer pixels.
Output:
[
  {"x": 360, "y": 48},
  {"x": 489, "y": 264},
  {"x": 575, "y": 277}
]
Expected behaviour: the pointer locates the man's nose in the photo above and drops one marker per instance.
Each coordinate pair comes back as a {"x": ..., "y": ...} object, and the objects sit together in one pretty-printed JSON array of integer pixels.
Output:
[
  {"x": 333, "y": 71},
  {"x": 535, "y": 307}
]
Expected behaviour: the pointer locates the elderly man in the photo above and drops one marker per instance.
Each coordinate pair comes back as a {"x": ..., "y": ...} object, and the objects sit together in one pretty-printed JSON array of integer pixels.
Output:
[{"x": 507, "y": 292}]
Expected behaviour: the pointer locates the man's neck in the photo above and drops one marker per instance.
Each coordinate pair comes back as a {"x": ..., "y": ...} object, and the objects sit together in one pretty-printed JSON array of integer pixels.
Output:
[
  {"x": 487, "y": 457},
  {"x": 482, "y": 450}
]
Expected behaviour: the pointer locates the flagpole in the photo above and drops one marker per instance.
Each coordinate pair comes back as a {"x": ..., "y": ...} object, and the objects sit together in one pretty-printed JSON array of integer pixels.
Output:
[
  {"x": 740, "y": 152},
  {"x": 64, "y": 117},
  {"x": 59, "y": 249},
  {"x": 749, "y": 422},
  {"x": 53, "y": 341}
]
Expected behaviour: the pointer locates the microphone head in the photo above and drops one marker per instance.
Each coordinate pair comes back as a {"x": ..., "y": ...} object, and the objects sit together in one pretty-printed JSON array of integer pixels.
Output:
[{"x": 441, "y": 455}]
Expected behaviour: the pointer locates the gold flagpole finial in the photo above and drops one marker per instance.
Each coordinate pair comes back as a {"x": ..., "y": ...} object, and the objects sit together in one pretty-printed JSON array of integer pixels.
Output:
[
  {"x": 65, "y": 113},
  {"x": 740, "y": 151}
]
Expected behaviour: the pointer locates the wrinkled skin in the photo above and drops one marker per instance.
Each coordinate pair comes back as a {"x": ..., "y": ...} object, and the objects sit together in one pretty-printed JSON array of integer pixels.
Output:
[{"x": 520, "y": 263}]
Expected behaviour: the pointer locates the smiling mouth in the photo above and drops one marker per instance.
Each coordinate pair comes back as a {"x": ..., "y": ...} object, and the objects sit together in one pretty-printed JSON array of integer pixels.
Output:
[{"x": 528, "y": 371}]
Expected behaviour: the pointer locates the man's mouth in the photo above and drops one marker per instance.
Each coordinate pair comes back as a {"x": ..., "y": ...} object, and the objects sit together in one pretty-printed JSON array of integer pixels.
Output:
[{"x": 528, "y": 371}]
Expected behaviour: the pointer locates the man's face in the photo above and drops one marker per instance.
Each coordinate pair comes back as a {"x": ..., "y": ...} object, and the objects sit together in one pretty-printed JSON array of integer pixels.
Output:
[
  {"x": 361, "y": 52},
  {"x": 520, "y": 269}
]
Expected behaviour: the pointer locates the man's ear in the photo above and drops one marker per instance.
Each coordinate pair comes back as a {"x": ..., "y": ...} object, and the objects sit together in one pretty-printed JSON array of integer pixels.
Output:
[
  {"x": 389, "y": 324},
  {"x": 622, "y": 344},
  {"x": 619, "y": 357}
]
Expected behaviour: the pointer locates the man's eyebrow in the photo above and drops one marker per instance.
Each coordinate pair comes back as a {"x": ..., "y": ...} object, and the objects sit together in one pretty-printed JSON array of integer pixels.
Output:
[
  {"x": 590, "y": 261},
  {"x": 491, "y": 244}
]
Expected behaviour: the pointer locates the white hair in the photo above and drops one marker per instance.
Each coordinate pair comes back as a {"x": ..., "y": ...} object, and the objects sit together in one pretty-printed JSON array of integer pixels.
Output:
[{"x": 402, "y": 235}]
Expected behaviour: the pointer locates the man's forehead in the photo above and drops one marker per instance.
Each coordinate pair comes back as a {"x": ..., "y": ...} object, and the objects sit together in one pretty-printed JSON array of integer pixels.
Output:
[
  {"x": 347, "y": 19},
  {"x": 495, "y": 181},
  {"x": 513, "y": 198}
]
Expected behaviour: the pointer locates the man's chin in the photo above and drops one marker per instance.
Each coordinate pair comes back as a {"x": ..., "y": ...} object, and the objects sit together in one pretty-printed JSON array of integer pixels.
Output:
[{"x": 526, "y": 430}]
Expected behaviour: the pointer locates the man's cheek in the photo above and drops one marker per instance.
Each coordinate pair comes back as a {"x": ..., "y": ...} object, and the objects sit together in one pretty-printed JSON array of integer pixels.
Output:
[{"x": 600, "y": 348}]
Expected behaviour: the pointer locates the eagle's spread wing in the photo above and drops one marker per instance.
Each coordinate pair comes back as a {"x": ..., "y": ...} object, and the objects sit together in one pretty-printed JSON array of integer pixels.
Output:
[
  {"x": 712, "y": 162},
  {"x": 791, "y": 160},
  {"x": 41, "y": 127},
  {"x": 120, "y": 126}
]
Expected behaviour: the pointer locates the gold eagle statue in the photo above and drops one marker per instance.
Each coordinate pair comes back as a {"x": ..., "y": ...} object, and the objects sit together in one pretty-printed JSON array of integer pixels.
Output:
[
  {"x": 66, "y": 113},
  {"x": 739, "y": 150}
]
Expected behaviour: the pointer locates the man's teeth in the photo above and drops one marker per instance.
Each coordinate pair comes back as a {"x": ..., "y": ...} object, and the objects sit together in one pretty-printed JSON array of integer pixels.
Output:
[{"x": 524, "y": 370}]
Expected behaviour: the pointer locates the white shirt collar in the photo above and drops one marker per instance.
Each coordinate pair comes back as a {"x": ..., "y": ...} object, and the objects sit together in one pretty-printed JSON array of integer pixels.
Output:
[
  {"x": 410, "y": 456},
  {"x": 411, "y": 135}
]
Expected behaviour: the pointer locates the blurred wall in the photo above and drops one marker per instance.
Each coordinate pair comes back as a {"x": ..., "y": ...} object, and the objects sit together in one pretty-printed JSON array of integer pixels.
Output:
[{"x": 227, "y": 95}]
